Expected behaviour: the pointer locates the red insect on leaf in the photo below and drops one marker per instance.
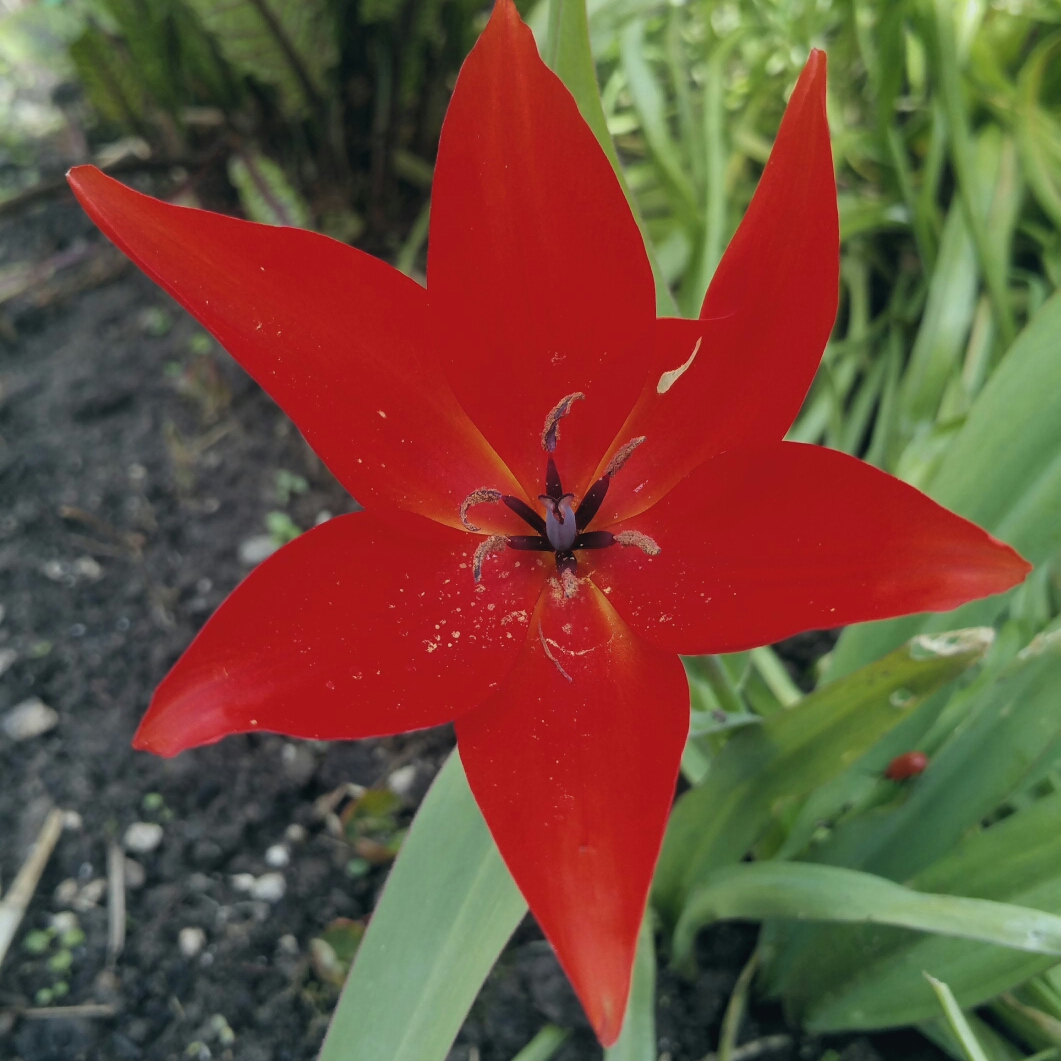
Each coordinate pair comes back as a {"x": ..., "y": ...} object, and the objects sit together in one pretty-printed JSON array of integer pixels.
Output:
[
  {"x": 561, "y": 492},
  {"x": 905, "y": 766}
]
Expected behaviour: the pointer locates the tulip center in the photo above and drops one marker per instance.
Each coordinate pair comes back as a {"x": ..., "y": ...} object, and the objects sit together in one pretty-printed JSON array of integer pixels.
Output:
[{"x": 562, "y": 529}]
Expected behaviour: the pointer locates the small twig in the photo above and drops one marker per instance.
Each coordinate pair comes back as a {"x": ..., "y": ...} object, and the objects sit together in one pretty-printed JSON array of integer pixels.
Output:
[
  {"x": 115, "y": 902},
  {"x": 756, "y": 1048},
  {"x": 88, "y": 1009},
  {"x": 734, "y": 1015},
  {"x": 15, "y": 903},
  {"x": 58, "y": 186}
]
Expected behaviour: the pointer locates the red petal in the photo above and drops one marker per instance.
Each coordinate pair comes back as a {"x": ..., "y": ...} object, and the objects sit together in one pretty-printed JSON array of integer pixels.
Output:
[
  {"x": 355, "y": 629},
  {"x": 339, "y": 339},
  {"x": 537, "y": 274},
  {"x": 764, "y": 323},
  {"x": 573, "y": 763},
  {"x": 756, "y": 545}
]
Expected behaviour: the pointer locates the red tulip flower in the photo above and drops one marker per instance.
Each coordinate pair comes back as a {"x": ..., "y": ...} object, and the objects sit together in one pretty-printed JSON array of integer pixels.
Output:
[{"x": 561, "y": 492}]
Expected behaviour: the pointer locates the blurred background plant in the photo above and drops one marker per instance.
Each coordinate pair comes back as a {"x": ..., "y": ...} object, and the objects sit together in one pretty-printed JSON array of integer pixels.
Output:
[{"x": 944, "y": 368}]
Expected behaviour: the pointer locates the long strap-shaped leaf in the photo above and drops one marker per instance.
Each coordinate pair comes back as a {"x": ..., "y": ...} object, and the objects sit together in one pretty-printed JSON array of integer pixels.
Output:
[
  {"x": 813, "y": 892},
  {"x": 447, "y": 911}
]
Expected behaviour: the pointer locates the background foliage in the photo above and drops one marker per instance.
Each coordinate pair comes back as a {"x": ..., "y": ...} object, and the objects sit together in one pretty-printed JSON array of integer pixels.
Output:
[{"x": 944, "y": 368}]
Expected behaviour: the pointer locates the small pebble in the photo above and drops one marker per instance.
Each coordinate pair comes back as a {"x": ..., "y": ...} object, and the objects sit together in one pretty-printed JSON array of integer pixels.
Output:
[
  {"x": 66, "y": 892},
  {"x": 135, "y": 874},
  {"x": 7, "y": 658},
  {"x": 295, "y": 833},
  {"x": 401, "y": 781},
  {"x": 299, "y": 762},
  {"x": 254, "y": 550},
  {"x": 64, "y": 921},
  {"x": 277, "y": 856},
  {"x": 191, "y": 941},
  {"x": 90, "y": 894},
  {"x": 270, "y": 887},
  {"x": 72, "y": 821},
  {"x": 322, "y": 517},
  {"x": 287, "y": 944},
  {"x": 243, "y": 882},
  {"x": 220, "y": 1027},
  {"x": 142, "y": 837},
  {"x": 86, "y": 567},
  {"x": 29, "y": 719}
]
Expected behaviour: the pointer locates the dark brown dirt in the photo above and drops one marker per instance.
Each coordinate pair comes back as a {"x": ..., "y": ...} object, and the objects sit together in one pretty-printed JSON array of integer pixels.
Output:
[{"x": 135, "y": 459}]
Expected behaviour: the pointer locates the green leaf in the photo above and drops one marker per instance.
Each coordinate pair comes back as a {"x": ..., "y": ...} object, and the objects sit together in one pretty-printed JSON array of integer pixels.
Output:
[
  {"x": 544, "y": 1044},
  {"x": 1004, "y": 735},
  {"x": 638, "y": 1039},
  {"x": 287, "y": 44},
  {"x": 110, "y": 80},
  {"x": 873, "y": 976},
  {"x": 650, "y": 105},
  {"x": 809, "y": 892},
  {"x": 566, "y": 51},
  {"x": 1003, "y": 471},
  {"x": 762, "y": 769},
  {"x": 447, "y": 911},
  {"x": 265, "y": 193},
  {"x": 956, "y": 1019}
]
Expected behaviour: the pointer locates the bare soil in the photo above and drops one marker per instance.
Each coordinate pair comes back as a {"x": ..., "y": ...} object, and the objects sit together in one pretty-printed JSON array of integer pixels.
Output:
[{"x": 135, "y": 461}]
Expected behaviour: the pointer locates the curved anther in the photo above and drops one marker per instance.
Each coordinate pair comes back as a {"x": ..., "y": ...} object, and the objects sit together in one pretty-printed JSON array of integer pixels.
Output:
[
  {"x": 622, "y": 455},
  {"x": 641, "y": 541},
  {"x": 487, "y": 547},
  {"x": 483, "y": 496},
  {"x": 551, "y": 431}
]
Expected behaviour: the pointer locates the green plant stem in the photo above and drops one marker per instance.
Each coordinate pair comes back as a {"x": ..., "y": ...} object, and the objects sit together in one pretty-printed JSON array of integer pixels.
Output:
[
  {"x": 738, "y": 1003},
  {"x": 572, "y": 61},
  {"x": 956, "y": 1019},
  {"x": 962, "y": 156},
  {"x": 544, "y": 1044}
]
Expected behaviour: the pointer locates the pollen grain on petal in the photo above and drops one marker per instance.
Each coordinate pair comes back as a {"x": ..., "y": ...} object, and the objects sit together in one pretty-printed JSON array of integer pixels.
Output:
[
  {"x": 551, "y": 430},
  {"x": 487, "y": 547},
  {"x": 483, "y": 496},
  {"x": 622, "y": 455},
  {"x": 642, "y": 541},
  {"x": 668, "y": 379}
]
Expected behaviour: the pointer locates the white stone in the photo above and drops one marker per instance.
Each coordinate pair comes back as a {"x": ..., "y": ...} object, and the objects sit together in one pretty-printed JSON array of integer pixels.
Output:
[
  {"x": 142, "y": 837},
  {"x": 191, "y": 941},
  {"x": 401, "y": 781},
  {"x": 90, "y": 895},
  {"x": 135, "y": 874},
  {"x": 72, "y": 821},
  {"x": 66, "y": 892},
  {"x": 295, "y": 833},
  {"x": 243, "y": 882},
  {"x": 254, "y": 550},
  {"x": 64, "y": 921},
  {"x": 287, "y": 944},
  {"x": 87, "y": 567},
  {"x": 270, "y": 887},
  {"x": 7, "y": 658},
  {"x": 277, "y": 856},
  {"x": 29, "y": 719}
]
